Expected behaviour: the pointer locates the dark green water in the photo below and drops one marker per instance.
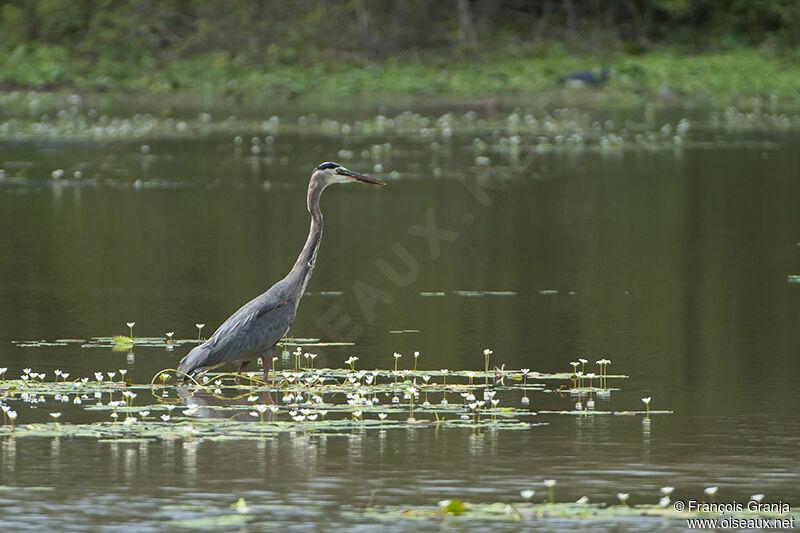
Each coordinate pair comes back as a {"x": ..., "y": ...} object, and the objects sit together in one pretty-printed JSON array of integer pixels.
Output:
[{"x": 672, "y": 263}]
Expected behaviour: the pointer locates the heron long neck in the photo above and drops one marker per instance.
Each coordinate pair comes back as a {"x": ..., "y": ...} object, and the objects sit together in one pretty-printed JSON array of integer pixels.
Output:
[{"x": 304, "y": 265}]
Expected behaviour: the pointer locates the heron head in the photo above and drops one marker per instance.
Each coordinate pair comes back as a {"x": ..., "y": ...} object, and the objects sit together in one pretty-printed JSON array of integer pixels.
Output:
[{"x": 328, "y": 173}]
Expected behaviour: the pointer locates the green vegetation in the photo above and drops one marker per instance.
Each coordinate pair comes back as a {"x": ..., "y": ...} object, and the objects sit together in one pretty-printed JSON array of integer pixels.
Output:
[
  {"x": 722, "y": 75},
  {"x": 315, "y": 400},
  {"x": 687, "y": 50}
]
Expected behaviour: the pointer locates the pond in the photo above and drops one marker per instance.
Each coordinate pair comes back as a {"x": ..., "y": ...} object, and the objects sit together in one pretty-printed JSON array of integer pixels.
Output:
[{"x": 666, "y": 241}]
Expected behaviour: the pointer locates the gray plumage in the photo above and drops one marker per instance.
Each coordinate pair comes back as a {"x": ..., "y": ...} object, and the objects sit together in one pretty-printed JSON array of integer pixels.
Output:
[{"x": 257, "y": 326}]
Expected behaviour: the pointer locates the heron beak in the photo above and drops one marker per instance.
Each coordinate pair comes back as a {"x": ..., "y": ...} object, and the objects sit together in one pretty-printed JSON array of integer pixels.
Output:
[{"x": 358, "y": 177}]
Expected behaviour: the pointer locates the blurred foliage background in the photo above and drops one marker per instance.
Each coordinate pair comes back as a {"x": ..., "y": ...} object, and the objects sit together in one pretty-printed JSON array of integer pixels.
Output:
[{"x": 282, "y": 45}]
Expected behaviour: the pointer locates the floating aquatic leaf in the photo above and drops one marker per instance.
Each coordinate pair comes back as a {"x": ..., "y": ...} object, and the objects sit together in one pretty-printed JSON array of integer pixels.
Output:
[
  {"x": 452, "y": 506},
  {"x": 122, "y": 339},
  {"x": 211, "y": 521},
  {"x": 185, "y": 507},
  {"x": 8, "y": 488}
]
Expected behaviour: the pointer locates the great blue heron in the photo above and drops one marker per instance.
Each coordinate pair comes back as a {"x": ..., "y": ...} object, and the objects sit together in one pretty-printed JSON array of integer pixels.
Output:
[
  {"x": 582, "y": 78},
  {"x": 258, "y": 325}
]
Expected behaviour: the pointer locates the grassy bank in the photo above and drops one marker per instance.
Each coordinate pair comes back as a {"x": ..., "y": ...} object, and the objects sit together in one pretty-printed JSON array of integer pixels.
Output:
[{"x": 719, "y": 78}]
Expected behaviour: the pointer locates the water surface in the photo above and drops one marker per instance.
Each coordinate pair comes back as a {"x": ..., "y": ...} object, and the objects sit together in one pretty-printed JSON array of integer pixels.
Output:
[{"x": 672, "y": 261}]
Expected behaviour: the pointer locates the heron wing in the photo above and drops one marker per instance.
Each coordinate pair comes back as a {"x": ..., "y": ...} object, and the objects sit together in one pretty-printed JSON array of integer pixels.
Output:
[{"x": 251, "y": 330}]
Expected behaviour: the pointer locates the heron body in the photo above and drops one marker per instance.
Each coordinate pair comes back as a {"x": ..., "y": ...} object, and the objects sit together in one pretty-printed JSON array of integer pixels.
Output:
[
  {"x": 582, "y": 78},
  {"x": 258, "y": 325}
]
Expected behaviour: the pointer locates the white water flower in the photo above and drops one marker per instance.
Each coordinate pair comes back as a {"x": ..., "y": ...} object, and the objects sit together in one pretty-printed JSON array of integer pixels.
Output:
[
  {"x": 664, "y": 501},
  {"x": 583, "y": 500},
  {"x": 667, "y": 490},
  {"x": 165, "y": 418},
  {"x": 623, "y": 497},
  {"x": 711, "y": 490},
  {"x": 527, "y": 494},
  {"x": 757, "y": 497},
  {"x": 55, "y": 415},
  {"x": 549, "y": 483}
]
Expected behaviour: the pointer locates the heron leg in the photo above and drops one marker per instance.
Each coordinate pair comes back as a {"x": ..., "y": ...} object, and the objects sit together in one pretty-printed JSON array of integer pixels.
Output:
[
  {"x": 241, "y": 367},
  {"x": 266, "y": 363}
]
